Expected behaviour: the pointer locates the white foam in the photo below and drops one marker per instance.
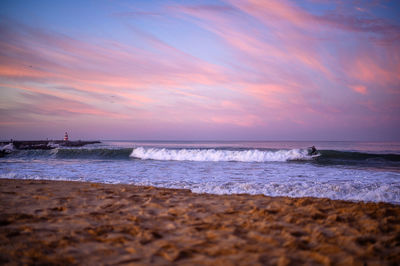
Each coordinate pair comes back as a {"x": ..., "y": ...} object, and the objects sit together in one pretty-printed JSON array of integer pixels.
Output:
[
  {"x": 344, "y": 191},
  {"x": 53, "y": 145},
  {"x": 8, "y": 147},
  {"x": 213, "y": 155},
  {"x": 353, "y": 192}
]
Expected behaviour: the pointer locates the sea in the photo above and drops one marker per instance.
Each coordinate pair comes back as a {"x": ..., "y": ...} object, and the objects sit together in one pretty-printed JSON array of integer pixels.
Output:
[{"x": 355, "y": 171}]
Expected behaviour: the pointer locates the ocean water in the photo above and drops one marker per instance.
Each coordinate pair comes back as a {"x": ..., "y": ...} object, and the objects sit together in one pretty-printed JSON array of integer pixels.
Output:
[{"x": 357, "y": 171}]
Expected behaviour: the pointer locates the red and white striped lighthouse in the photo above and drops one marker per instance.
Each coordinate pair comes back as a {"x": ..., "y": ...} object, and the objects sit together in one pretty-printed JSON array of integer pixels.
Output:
[{"x": 66, "y": 136}]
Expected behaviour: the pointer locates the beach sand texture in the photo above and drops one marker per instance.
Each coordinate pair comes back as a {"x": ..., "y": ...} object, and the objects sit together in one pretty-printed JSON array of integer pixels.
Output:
[{"x": 52, "y": 222}]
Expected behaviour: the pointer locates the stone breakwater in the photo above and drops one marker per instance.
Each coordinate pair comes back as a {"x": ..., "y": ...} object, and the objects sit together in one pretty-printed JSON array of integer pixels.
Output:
[
  {"x": 50, "y": 222},
  {"x": 45, "y": 144}
]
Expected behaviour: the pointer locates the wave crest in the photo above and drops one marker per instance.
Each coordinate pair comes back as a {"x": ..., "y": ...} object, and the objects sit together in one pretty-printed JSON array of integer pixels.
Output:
[{"x": 213, "y": 155}]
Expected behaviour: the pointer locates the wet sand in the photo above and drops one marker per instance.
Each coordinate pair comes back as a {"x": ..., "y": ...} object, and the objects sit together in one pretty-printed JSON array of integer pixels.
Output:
[{"x": 50, "y": 222}]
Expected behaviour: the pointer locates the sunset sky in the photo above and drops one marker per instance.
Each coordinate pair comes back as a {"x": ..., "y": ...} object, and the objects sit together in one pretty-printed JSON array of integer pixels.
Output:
[{"x": 200, "y": 70}]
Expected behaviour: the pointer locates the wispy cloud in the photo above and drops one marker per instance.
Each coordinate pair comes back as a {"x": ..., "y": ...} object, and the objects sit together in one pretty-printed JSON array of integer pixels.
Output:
[{"x": 283, "y": 67}]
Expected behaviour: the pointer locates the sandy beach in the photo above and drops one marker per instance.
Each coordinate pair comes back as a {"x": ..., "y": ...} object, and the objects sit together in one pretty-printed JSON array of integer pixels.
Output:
[{"x": 51, "y": 222}]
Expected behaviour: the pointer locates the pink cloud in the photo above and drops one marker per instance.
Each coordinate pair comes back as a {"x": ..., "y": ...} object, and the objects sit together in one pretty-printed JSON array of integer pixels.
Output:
[
  {"x": 102, "y": 71},
  {"x": 359, "y": 89},
  {"x": 368, "y": 70},
  {"x": 297, "y": 39},
  {"x": 62, "y": 58}
]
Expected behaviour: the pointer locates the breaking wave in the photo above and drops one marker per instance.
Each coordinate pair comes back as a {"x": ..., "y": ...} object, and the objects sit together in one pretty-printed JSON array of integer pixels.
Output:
[
  {"x": 324, "y": 157},
  {"x": 216, "y": 155}
]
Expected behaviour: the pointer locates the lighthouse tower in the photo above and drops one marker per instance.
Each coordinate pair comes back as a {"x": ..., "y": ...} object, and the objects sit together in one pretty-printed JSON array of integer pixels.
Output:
[{"x": 66, "y": 136}]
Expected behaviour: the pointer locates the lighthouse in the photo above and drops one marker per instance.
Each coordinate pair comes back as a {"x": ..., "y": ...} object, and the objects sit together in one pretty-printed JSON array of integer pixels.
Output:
[{"x": 66, "y": 136}]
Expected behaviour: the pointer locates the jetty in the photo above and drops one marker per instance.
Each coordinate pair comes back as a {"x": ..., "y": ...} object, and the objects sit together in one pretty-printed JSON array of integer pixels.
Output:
[
  {"x": 39, "y": 145},
  {"x": 7, "y": 147},
  {"x": 45, "y": 144}
]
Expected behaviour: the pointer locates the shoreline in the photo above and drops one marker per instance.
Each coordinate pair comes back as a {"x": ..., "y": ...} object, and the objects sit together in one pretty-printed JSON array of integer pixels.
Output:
[
  {"x": 395, "y": 204},
  {"x": 72, "y": 222}
]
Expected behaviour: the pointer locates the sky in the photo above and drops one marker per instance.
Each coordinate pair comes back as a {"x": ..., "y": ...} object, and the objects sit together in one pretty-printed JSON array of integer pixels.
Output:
[{"x": 200, "y": 70}]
